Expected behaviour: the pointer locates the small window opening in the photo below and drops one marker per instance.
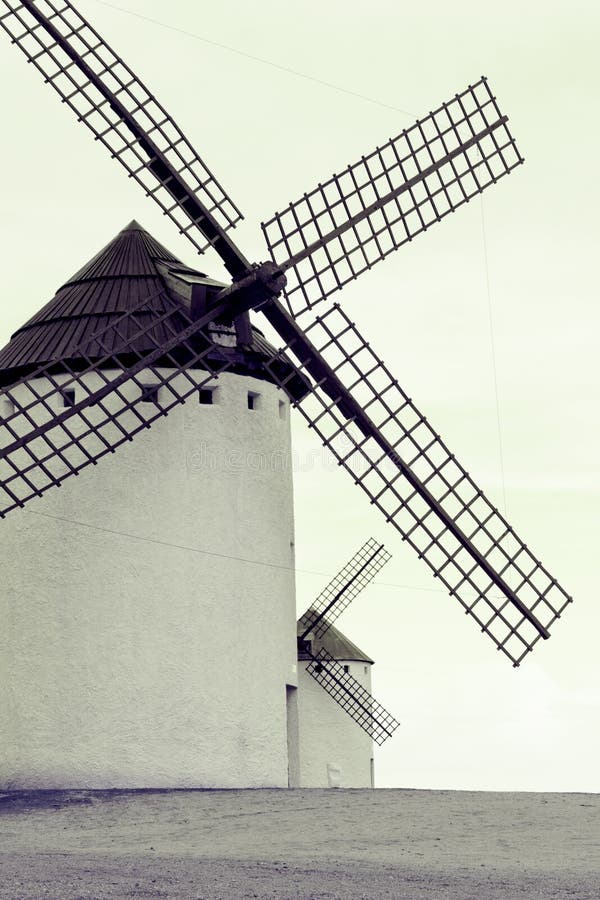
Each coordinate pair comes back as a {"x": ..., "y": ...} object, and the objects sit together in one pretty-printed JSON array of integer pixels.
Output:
[
  {"x": 68, "y": 397},
  {"x": 206, "y": 396},
  {"x": 253, "y": 400},
  {"x": 347, "y": 669},
  {"x": 150, "y": 393},
  {"x": 281, "y": 409},
  {"x": 305, "y": 646},
  {"x": 366, "y": 670}
]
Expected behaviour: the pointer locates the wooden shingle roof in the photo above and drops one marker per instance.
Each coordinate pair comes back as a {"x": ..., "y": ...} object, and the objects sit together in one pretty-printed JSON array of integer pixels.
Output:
[
  {"x": 334, "y": 642},
  {"x": 130, "y": 269},
  {"x": 112, "y": 283}
]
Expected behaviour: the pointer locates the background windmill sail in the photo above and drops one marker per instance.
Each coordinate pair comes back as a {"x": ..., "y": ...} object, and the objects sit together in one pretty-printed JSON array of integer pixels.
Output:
[
  {"x": 341, "y": 590},
  {"x": 430, "y": 170},
  {"x": 352, "y": 697}
]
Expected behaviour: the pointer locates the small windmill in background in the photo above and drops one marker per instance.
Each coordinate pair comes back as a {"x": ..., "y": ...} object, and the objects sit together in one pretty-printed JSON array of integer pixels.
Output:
[
  {"x": 181, "y": 343},
  {"x": 325, "y": 666},
  {"x": 343, "y": 671}
]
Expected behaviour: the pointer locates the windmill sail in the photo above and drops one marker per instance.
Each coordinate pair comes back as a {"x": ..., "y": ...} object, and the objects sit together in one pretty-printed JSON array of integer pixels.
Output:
[
  {"x": 341, "y": 590},
  {"x": 126, "y": 118},
  {"x": 355, "y": 219},
  {"x": 44, "y": 439},
  {"x": 352, "y": 697},
  {"x": 378, "y": 435}
]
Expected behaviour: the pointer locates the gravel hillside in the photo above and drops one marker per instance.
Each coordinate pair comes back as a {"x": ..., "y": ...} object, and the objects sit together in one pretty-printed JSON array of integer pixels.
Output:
[{"x": 321, "y": 845}]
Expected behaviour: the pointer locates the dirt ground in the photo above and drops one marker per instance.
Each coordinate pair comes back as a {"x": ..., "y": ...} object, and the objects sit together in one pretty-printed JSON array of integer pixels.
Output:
[{"x": 319, "y": 845}]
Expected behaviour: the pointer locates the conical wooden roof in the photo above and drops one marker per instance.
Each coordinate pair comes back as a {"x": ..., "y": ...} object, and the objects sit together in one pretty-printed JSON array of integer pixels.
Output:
[
  {"x": 114, "y": 282},
  {"x": 334, "y": 642},
  {"x": 131, "y": 254},
  {"x": 134, "y": 267}
]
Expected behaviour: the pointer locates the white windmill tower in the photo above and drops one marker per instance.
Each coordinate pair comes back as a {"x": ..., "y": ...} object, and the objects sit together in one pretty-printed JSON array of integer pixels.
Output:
[
  {"x": 96, "y": 389},
  {"x": 144, "y": 574}
]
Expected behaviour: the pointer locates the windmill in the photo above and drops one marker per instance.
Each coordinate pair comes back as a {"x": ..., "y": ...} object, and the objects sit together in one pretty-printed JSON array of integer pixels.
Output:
[
  {"x": 326, "y": 368},
  {"x": 326, "y": 670},
  {"x": 343, "y": 672}
]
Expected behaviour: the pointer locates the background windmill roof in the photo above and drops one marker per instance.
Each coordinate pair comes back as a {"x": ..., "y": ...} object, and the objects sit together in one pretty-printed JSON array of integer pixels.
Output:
[
  {"x": 130, "y": 268},
  {"x": 333, "y": 641}
]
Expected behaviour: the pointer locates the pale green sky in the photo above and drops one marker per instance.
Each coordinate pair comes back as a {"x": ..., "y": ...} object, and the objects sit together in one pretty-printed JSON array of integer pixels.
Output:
[{"x": 468, "y": 720}]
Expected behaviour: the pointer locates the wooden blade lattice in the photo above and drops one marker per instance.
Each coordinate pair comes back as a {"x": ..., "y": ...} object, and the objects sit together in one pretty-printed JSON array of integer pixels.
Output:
[
  {"x": 122, "y": 114},
  {"x": 62, "y": 418},
  {"x": 324, "y": 240},
  {"x": 353, "y": 698},
  {"x": 378, "y": 435},
  {"x": 347, "y": 584},
  {"x": 354, "y": 220}
]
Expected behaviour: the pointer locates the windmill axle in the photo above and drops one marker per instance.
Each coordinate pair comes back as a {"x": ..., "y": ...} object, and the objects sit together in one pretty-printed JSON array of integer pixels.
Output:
[{"x": 262, "y": 283}]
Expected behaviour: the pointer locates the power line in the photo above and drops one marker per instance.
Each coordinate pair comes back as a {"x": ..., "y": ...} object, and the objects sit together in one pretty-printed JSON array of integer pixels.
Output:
[
  {"x": 173, "y": 545},
  {"x": 259, "y": 59}
]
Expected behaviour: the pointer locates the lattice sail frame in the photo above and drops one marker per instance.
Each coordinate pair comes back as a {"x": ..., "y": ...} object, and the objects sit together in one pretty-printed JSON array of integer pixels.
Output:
[
  {"x": 411, "y": 443},
  {"x": 355, "y": 219},
  {"x": 347, "y": 584},
  {"x": 42, "y": 442},
  {"x": 352, "y": 697},
  {"x": 158, "y": 156},
  {"x": 97, "y": 88}
]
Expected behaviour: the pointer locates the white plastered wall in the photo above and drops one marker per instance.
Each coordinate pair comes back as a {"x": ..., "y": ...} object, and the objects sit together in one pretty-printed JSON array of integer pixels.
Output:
[
  {"x": 329, "y": 739},
  {"x": 147, "y": 614}
]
